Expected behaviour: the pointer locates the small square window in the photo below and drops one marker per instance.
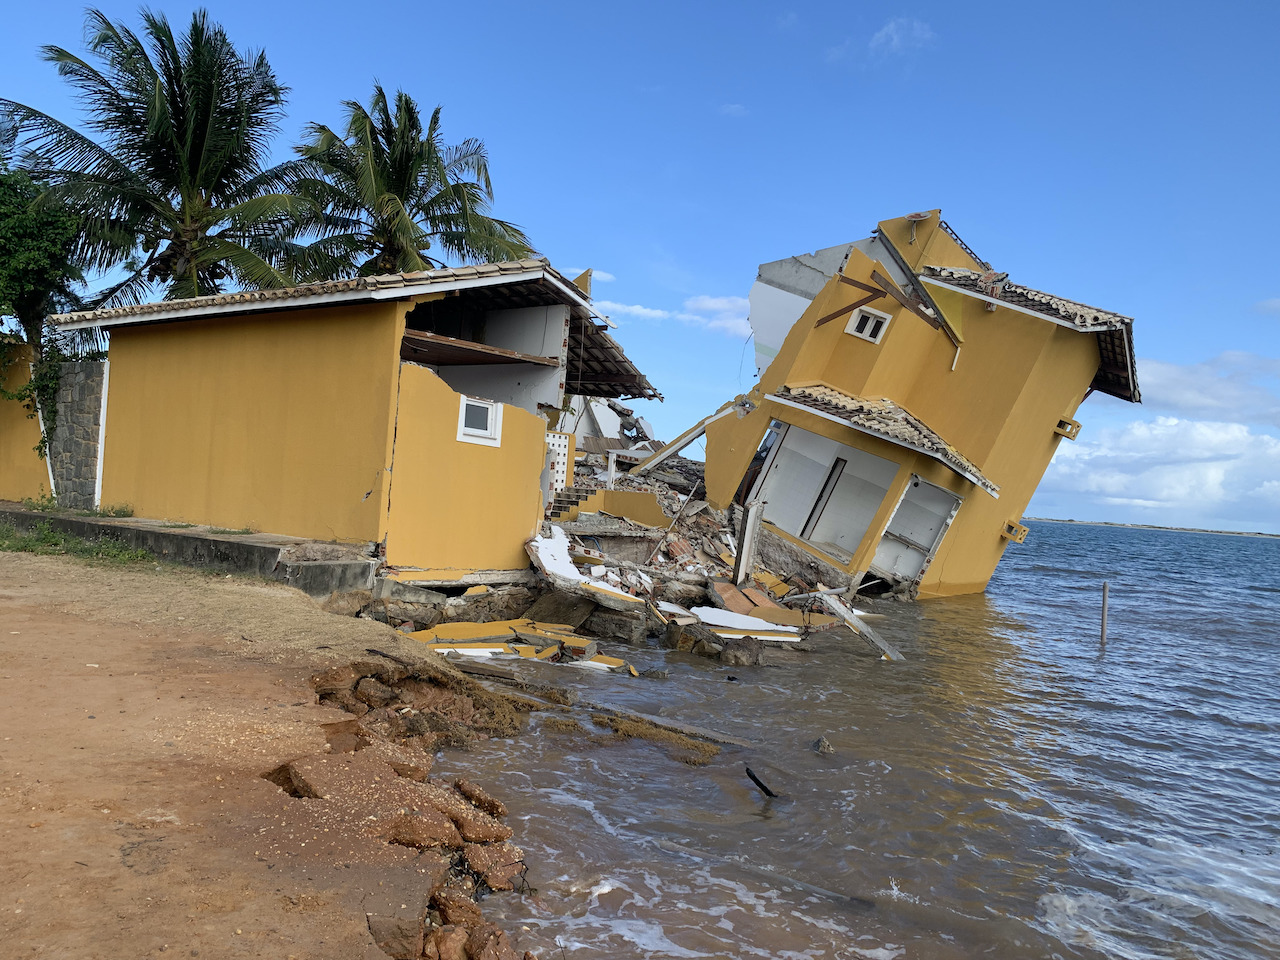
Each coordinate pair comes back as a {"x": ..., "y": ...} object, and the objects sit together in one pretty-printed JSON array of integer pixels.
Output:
[
  {"x": 868, "y": 324},
  {"x": 476, "y": 417},
  {"x": 480, "y": 421}
]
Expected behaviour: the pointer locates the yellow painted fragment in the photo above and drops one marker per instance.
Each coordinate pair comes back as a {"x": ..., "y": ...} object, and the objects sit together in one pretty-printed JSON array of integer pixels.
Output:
[
  {"x": 615, "y": 592},
  {"x": 466, "y": 630},
  {"x": 476, "y": 591},
  {"x": 548, "y": 653},
  {"x": 794, "y": 618},
  {"x": 541, "y": 636},
  {"x": 526, "y": 650},
  {"x": 774, "y": 585}
]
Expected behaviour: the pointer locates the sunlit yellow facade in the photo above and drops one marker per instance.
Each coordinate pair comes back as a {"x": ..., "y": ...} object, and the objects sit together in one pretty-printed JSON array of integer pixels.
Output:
[{"x": 324, "y": 413}]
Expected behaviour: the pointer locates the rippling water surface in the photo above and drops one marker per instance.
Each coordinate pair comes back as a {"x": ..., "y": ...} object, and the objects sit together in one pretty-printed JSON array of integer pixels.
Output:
[{"x": 1014, "y": 789}]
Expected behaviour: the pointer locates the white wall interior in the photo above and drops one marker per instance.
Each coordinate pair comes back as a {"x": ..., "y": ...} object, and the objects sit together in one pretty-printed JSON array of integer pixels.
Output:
[
  {"x": 796, "y": 478},
  {"x": 773, "y": 313},
  {"x": 857, "y": 496},
  {"x": 538, "y": 331},
  {"x": 914, "y": 530}
]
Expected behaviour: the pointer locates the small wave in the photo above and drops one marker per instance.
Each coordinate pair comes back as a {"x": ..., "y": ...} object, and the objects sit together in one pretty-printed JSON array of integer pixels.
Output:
[
  {"x": 895, "y": 892},
  {"x": 888, "y": 951}
]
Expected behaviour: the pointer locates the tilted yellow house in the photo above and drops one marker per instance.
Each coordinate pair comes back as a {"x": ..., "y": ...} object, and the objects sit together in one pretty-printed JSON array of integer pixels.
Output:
[
  {"x": 412, "y": 410},
  {"x": 912, "y": 401}
]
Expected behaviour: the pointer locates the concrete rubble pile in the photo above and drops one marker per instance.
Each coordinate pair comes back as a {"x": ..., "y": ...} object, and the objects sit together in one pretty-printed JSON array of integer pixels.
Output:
[{"x": 600, "y": 578}]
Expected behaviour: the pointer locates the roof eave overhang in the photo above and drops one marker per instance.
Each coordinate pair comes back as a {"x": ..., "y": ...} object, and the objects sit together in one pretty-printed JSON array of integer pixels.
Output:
[
  {"x": 1125, "y": 330},
  {"x": 405, "y": 292},
  {"x": 1016, "y": 308},
  {"x": 977, "y": 479}
]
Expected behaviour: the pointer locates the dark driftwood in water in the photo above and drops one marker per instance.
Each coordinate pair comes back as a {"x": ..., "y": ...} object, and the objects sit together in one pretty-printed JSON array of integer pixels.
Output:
[{"x": 760, "y": 783}]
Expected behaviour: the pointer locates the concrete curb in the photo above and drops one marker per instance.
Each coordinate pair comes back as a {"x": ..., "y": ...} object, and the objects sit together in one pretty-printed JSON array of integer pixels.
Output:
[{"x": 252, "y": 554}]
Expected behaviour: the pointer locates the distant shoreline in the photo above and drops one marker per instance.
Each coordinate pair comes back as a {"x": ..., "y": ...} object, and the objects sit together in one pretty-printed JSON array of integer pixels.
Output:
[{"x": 1152, "y": 526}]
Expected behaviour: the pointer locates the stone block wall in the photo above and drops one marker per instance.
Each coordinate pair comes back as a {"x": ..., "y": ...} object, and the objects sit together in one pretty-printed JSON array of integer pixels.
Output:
[{"x": 73, "y": 454}]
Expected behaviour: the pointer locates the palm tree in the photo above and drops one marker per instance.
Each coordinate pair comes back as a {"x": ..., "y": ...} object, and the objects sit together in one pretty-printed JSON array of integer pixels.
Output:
[
  {"x": 390, "y": 191},
  {"x": 174, "y": 188}
]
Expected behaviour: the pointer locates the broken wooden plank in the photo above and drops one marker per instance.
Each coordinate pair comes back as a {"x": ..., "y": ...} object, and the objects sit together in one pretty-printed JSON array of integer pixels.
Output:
[
  {"x": 859, "y": 626},
  {"x": 733, "y": 598},
  {"x": 760, "y": 598},
  {"x": 747, "y": 541}
]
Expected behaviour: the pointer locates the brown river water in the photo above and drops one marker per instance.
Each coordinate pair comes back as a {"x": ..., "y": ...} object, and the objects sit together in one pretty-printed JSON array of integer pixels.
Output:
[{"x": 1014, "y": 789}]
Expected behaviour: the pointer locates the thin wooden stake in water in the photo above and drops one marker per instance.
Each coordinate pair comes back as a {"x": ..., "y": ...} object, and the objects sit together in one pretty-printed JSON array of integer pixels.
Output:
[{"x": 1106, "y": 590}]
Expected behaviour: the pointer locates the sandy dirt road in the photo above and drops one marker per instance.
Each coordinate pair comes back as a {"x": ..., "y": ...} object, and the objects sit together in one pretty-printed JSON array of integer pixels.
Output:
[{"x": 139, "y": 708}]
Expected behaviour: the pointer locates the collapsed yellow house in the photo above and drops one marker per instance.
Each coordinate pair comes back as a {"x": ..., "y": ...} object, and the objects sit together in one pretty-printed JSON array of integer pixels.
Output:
[
  {"x": 910, "y": 402},
  {"x": 413, "y": 410}
]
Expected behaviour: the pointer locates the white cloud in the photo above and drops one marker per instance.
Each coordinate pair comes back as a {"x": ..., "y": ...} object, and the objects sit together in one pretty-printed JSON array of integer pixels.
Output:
[
  {"x": 733, "y": 110},
  {"x": 900, "y": 35},
  {"x": 725, "y": 314},
  {"x": 728, "y": 314},
  {"x": 1173, "y": 471},
  {"x": 1268, "y": 306},
  {"x": 1236, "y": 386},
  {"x": 632, "y": 310}
]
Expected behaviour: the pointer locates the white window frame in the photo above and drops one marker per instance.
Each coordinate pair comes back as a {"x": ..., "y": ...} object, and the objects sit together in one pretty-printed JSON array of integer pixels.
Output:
[
  {"x": 491, "y": 437},
  {"x": 871, "y": 316}
]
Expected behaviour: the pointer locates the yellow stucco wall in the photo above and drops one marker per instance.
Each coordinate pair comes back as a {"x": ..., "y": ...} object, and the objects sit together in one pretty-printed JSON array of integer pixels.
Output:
[
  {"x": 637, "y": 505},
  {"x": 22, "y": 472},
  {"x": 1054, "y": 386},
  {"x": 1014, "y": 377},
  {"x": 458, "y": 507},
  {"x": 280, "y": 422}
]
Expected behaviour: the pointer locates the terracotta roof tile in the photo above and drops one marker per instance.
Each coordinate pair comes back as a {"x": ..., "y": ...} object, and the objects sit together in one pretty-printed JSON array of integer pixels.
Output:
[
  {"x": 349, "y": 285},
  {"x": 886, "y": 419}
]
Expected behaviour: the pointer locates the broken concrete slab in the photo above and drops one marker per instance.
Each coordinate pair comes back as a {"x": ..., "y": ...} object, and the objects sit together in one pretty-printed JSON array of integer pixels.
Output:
[
  {"x": 742, "y": 652},
  {"x": 550, "y": 554},
  {"x": 629, "y": 628},
  {"x": 384, "y": 588},
  {"x": 561, "y": 607}
]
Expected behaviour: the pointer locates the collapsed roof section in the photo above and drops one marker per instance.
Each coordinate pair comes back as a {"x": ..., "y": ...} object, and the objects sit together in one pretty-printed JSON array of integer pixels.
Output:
[{"x": 596, "y": 365}]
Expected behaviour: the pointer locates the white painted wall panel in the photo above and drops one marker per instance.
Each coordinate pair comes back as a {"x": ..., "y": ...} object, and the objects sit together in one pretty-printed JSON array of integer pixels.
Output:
[{"x": 773, "y": 313}]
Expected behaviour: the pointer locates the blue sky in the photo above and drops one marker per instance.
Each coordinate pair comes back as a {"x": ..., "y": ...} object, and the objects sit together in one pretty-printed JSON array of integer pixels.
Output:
[{"x": 1124, "y": 155}]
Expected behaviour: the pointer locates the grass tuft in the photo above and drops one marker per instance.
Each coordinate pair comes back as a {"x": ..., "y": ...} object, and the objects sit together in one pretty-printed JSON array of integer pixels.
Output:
[
  {"x": 43, "y": 539},
  {"x": 236, "y": 533},
  {"x": 109, "y": 510},
  {"x": 45, "y": 503}
]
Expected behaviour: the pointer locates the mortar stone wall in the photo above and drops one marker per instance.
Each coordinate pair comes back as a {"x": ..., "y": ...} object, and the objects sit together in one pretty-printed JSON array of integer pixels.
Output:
[{"x": 73, "y": 454}]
